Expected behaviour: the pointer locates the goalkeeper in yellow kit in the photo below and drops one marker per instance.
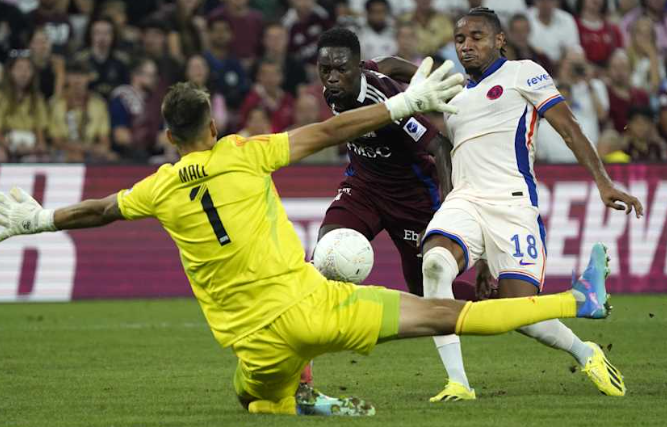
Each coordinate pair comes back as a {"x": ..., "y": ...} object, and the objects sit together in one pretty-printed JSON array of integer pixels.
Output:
[{"x": 246, "y": 264}]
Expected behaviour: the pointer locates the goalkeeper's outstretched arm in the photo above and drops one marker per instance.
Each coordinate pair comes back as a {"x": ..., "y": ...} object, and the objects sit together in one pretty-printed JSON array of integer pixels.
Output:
[
  {"x": 88, "y": 214},
  {"x": 21, "y": 214}
]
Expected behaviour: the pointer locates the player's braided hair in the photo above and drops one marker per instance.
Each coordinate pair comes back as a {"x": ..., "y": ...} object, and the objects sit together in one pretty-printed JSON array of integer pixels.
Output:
[
  {"x": 491, "y": 18},
  {"x": 340, "y": 37}
]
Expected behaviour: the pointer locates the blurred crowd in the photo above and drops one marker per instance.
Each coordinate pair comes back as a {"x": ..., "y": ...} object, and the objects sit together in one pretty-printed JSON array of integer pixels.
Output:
[{"x": 82, "y": 80}]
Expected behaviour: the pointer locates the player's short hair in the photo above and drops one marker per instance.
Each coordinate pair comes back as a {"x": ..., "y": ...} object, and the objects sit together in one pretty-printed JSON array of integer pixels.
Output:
[
  {"x": 340, "y": 37},
  {"x": 489, "y": 15},
  {"x": 187, "y": 111}
]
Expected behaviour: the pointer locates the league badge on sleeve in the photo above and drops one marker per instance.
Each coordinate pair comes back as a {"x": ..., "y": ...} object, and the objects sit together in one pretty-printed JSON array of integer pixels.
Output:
[{"x": 415, "y": 129}]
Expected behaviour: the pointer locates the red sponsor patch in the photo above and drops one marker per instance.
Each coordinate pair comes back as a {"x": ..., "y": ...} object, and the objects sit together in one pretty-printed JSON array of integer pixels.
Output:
[{"x": 495, "y": 92}]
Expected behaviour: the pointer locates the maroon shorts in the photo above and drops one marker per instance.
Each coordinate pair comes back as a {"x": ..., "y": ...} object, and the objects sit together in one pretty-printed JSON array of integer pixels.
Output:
[{"x": 403, "y": 214}]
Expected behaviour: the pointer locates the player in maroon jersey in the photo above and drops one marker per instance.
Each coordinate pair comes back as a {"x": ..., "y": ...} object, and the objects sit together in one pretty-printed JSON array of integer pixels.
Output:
[
  {"x": 392, "y": 181},
  {"x": 399, "y": 174}
]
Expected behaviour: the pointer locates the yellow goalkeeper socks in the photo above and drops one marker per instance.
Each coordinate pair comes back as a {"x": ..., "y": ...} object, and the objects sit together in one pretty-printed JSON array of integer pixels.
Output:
[
  {"x": 503, "y": 315},
  {"x": 286, "y": 406}
]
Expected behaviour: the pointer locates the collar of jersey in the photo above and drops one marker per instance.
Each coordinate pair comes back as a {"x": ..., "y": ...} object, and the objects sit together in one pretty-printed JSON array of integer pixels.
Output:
[
  {"x": 363, "y": 89},
  {"x": 492, "y": 69}
]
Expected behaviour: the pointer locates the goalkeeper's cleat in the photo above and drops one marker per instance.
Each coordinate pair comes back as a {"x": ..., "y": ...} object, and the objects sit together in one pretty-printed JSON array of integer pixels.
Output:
[
  {"x": 453, "y": 392},
  {"x": 312, "y": 402},
  {"x": 589, "y": 289},
  {"x": 604, "y": 375}
]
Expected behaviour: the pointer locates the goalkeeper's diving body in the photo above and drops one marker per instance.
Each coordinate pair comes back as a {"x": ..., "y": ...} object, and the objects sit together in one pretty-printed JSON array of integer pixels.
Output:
[{"x": 246, "y": 264}]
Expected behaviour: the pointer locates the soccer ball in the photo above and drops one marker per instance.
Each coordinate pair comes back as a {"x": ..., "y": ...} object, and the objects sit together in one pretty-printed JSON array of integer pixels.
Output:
[{"x": 345, "y": 255}]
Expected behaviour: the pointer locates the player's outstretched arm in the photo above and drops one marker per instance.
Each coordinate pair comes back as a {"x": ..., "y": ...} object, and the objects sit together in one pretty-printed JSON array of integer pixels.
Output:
[
  {"x": 427, "y": 92},
  {"x": 561, "y": 118},
  {"x": 21, "y": 214}
]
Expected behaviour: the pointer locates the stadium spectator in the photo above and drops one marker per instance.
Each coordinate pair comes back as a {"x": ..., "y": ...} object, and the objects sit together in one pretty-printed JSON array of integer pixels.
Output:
[
  {"x": 377, "y": 35},
  {"x": 80, "y": 12},
  {"x": 518, "y": 43},
  {"x": 610, "y": 148},
  {"x": 138, "y": 11},
  {"x": 128, "y": 36},
  {"x": 553, "y": 30},
  {"x": 589, "y": 100},
  {"x": 187, "y": 29},
  {"x": 648, "y": 67},
  {"x": 622, "y": 95},
  {"x": 305, "y": 21},
  {"x": 51, "y": 14},
  {"x": 134, "y": 128},
  {"x": 266, "y": 93},
  {"x": 655, "y": 11},
  {"x": 50, "y": 68},
  {"x": 275, "y": 48},
  {"x": 641, "y": 140},
  {"x": 257, "y": 123},
  {"x": 399, "y": 7},
  {"x": 227, "y": 73},
  {"x": 306, "y": 111},
  {"x": 109, "y": 65},
  {"x": 79, "y": 124},
  {"x": 23, "y": 114},
  {"x": 197, "y": 71},
  {"x": 246, "y": 28},
  {"x": 598, "y": 36},
  {"x": 662, "y": 118},
  {"x": 550, "y": 145},
  {"x": 406, "y": 43},
  {"x": 154, "y": 46},
  {"x": 506, "y": 9},
  {"x": 345, "y": 16},
  {"x": 434, "y": 29},
  {"x": 13, "y": 30}
]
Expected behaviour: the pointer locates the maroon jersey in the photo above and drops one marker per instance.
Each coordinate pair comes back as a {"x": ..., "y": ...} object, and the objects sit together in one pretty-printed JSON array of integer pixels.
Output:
[{"x": 392, "y": 159}]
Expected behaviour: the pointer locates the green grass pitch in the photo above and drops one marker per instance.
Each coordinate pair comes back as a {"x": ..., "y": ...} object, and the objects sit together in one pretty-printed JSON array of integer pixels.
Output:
[{"x": 155, "y": 363}]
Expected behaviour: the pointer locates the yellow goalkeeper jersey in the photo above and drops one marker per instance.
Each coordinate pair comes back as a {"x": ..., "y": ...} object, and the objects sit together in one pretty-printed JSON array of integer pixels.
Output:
[{"x": 241, "y": 254}]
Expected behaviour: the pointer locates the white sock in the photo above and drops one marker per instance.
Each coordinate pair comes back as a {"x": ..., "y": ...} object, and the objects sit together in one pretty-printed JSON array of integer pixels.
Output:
[
  {"x": 440, "y": 269},
  {"x": 554, "y": 334}
]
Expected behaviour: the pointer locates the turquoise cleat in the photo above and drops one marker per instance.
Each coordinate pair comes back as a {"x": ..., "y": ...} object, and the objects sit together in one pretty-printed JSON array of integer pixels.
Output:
[
  {"x": 309, "y": 401},
  {"x": 595, "y": 302}
]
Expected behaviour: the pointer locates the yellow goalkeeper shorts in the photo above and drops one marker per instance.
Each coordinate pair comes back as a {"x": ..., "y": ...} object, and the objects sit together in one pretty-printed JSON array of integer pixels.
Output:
[{"x": 338, "y": 316}]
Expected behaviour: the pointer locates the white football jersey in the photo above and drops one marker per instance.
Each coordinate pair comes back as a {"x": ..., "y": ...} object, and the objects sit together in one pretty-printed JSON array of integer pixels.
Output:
[{"x": 494, "y": 133}]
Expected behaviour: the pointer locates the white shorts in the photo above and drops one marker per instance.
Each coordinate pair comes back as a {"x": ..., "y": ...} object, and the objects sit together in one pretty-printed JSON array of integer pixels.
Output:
[{"x": 511, "y": 238}]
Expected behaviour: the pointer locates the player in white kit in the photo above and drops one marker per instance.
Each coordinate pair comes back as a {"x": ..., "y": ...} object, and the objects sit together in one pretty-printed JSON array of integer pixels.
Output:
[{"x": 492, "y": 212}]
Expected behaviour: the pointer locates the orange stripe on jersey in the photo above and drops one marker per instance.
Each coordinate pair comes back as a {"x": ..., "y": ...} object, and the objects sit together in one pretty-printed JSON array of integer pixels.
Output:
[
  {"x": 544, "y": 267},
  {"x": 241, "y": 141},
  {"x": 547, "y": 100},
  {"x": 533, "y": 121}
]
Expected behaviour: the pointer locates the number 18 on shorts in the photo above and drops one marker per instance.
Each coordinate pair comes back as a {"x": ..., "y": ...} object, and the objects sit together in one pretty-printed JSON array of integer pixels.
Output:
[{"x": 511, "y": 238}]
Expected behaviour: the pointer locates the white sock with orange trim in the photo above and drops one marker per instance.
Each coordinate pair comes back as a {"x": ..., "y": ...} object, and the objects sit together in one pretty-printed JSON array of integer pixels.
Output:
[{"x": 554, "y": 333}]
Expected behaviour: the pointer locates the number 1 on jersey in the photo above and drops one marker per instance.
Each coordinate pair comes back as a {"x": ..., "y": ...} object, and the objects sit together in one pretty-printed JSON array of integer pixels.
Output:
[{"x": 212, "y": 214}]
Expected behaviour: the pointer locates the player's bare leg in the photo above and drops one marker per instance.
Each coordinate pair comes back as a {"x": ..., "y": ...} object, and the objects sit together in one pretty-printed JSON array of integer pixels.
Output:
[
  {"x": 555, "y": 334},
  {"x": 443, "y": 259}
]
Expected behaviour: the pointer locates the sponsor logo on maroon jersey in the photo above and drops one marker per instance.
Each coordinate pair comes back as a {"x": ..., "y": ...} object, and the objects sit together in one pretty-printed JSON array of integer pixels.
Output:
[
  {"x": 368, "y": 151},
  {"x": 495, "y": 92}
]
